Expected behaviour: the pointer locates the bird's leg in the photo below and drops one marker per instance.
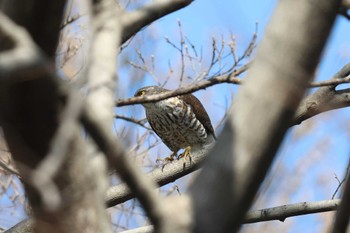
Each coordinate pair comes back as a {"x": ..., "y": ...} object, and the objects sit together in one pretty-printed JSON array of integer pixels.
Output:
[{"x": 185, "y": 154}]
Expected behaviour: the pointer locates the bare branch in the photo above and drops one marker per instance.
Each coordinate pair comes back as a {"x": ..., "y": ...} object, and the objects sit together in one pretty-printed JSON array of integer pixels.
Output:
[
  {"x": 290, "y": 210},
  {"x": 325, "y": 98},
  {"x": 133, "y": 22},
  {"x": 275, "y": 213},
  {"x": 332, "y": 82},
  {"x": 327, "y": 101},
  {"x": 342, "y": 181},
  {"x": 133, "y": 120},
  {"x": 162, "y": 176},
  {"x": 230, "y": 78}
]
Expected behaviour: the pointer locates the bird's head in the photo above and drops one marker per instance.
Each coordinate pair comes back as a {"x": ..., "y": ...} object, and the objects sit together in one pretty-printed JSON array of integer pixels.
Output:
[{"x": 149, "y": 90}]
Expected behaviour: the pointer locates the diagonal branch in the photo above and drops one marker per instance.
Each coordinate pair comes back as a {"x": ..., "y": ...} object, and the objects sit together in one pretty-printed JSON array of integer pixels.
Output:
[
  {"x": 141, "y": 186},
  {"x": 132, "y": 120},
  {"x": 162, "y": 176},
  {"x": 133, "y": 22},
  {"x": 274, "y": 87},
  {"x": 98, "y": 113}
]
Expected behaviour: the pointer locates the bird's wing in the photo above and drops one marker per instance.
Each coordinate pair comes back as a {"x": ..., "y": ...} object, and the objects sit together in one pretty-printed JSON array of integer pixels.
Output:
[{"x": 199, "y": 112}]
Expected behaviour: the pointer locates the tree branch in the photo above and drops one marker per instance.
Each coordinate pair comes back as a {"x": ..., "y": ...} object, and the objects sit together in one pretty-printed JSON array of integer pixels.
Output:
[
  {"x": 162, "y": 176},
  {"x": 132, "y": 120},
  {"x": 264, "y": 109},
  {"x": 98, "y": 113},
  {"x": 332, "y": 82},
  {"x": 290, "y": 210},
  {"x": 133, "y": 22},
  {"x": 325, "y": 98},
  {"x": 31, "y": 102},
  {"x": 275, "y": 213},
  {"x": 230, "y": 78},
  {"x": 347, "y": 172}
]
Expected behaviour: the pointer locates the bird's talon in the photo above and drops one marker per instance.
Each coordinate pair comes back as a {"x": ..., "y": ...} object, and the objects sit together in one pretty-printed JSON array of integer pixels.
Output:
[
  {"x": 165, "y": 161},
  {"x": 186, "y": 154}
]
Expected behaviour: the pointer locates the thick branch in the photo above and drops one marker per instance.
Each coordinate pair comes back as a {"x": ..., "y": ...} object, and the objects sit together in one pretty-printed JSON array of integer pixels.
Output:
[
  {"x": 264, "y": 109},
  {"x": 142, "y": 187},
  {"x": 325, "y": 98},
  {"x": 162, "y": 176},
  {"x": 134, "y": 21},
  {"x": 31, "y": 102},
  {"x": 98, "y": 115}
]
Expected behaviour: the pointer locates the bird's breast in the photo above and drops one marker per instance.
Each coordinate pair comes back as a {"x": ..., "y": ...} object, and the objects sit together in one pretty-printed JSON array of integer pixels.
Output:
[{"x": 175, "y": 123}]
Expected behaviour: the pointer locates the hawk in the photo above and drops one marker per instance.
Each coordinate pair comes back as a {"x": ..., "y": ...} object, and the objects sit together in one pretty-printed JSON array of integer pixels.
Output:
[{"x": 181, "y": 122}]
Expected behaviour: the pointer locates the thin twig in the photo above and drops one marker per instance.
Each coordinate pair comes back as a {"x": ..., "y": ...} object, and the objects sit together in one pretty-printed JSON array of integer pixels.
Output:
[
  {"x": 132, "y": 120},
  {"x": 342, "y": 181},
  {"x": 330, "y": 82}
]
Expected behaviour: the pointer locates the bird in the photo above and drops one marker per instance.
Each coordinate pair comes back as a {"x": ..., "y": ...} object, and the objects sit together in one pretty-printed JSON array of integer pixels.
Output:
[{"x": 181, "y": 122}]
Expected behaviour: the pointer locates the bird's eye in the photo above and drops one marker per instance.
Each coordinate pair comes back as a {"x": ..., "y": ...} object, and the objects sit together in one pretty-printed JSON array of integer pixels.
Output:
[{"x": 140, "y": 93}]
